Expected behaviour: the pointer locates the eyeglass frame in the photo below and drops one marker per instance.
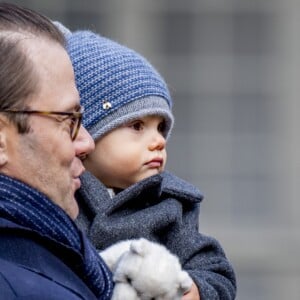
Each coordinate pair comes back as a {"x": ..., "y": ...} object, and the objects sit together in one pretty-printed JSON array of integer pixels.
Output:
[{"x": 76, "y": 115}]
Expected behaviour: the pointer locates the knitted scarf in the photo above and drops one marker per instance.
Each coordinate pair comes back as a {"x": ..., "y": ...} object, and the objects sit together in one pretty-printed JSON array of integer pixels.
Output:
[{"x": 31, "y": 209}]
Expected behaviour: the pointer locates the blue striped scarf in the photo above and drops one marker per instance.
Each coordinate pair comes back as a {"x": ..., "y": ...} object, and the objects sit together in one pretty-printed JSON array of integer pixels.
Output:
[{"x": 31, "y": 209}]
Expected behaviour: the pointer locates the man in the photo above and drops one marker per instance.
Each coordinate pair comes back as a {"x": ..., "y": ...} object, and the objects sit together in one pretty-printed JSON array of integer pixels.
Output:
[{"x": 42, "y": 253}]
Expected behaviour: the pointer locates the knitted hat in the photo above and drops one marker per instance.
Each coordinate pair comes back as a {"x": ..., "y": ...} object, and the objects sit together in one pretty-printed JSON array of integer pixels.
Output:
[{"x": 116, "y": 85}]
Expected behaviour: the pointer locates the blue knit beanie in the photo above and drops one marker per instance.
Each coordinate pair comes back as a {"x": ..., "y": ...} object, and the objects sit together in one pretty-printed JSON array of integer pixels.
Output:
[{"x": 116, "y": 85}]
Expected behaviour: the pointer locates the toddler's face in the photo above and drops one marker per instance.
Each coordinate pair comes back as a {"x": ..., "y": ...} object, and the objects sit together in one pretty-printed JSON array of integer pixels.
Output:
[{"x": 129, "y": 153}]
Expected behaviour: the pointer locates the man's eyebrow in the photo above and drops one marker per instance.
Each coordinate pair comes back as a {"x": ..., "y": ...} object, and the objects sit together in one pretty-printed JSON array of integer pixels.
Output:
[{"x": 75, "y": 107}]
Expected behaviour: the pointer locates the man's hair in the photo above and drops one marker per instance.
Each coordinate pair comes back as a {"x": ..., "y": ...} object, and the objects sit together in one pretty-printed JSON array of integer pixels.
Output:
[{"x": 18, "y": 79}]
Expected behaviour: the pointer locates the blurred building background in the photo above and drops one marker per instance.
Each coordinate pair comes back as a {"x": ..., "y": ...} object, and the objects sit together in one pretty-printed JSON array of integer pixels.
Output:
[{"x": 233, "y": 68}]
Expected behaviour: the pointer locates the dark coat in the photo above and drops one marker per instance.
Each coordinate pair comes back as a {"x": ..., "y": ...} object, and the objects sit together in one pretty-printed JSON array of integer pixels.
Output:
[
  {"x": 41, "y": 270},
  {"x": 165, "y": 209}
]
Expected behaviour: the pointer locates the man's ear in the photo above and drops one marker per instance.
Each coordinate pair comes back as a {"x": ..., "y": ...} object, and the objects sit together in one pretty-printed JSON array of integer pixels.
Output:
[{"x": 3, "y": 145}]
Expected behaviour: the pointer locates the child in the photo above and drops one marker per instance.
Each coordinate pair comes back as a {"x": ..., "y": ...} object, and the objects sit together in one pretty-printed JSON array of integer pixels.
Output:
[{"x": 127, "y": 193}]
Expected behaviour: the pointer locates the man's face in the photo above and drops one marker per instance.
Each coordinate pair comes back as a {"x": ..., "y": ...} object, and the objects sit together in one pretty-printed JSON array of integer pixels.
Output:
[{"x": 46, "y": 157}]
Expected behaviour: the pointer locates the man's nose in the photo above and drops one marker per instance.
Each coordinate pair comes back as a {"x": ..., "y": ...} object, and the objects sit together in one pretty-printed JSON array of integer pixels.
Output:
[{"x": 84, "y": 143}]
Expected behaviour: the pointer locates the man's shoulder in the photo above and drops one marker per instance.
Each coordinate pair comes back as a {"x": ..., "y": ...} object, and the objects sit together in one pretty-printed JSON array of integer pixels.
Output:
[
  {"x": 31, "y": 267},
  {"x": 19, "y": 282}
]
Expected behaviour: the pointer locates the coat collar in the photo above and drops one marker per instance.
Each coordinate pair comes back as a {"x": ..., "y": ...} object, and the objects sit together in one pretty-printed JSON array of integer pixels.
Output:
[{"x": 165, "y": 185}]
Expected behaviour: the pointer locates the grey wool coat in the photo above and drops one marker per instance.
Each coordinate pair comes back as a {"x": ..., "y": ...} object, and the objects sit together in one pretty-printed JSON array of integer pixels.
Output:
[{"x": 161, "y": 208}]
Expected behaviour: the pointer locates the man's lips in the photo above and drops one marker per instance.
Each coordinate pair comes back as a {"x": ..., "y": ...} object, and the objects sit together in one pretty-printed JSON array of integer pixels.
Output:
[{"x": 77, "y": 180}]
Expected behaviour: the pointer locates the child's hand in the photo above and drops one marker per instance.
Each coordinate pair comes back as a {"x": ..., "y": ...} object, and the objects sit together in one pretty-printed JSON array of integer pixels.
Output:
[{"x": 192, "y": 294}]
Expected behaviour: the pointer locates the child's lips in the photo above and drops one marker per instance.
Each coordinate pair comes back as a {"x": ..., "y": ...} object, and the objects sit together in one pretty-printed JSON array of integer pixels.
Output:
[{"x": 155, "y": 163}]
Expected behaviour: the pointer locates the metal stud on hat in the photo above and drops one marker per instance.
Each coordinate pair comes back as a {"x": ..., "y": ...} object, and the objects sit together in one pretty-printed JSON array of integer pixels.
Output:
[{"x": 106, "y": 104}]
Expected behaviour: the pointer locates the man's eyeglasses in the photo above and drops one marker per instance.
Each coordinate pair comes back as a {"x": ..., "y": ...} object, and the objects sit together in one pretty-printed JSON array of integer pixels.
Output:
[{"x": 75, "y": 117}]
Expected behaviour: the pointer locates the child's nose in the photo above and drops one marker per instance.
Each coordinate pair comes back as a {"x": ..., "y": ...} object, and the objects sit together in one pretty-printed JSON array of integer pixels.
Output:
[{"x": 158, "y": 142}]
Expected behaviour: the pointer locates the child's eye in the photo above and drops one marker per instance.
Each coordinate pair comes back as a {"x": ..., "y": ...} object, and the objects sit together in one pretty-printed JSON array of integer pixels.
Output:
[
  {"x": 138, "y": 125},
  {"x": 161, "y": 126}
]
